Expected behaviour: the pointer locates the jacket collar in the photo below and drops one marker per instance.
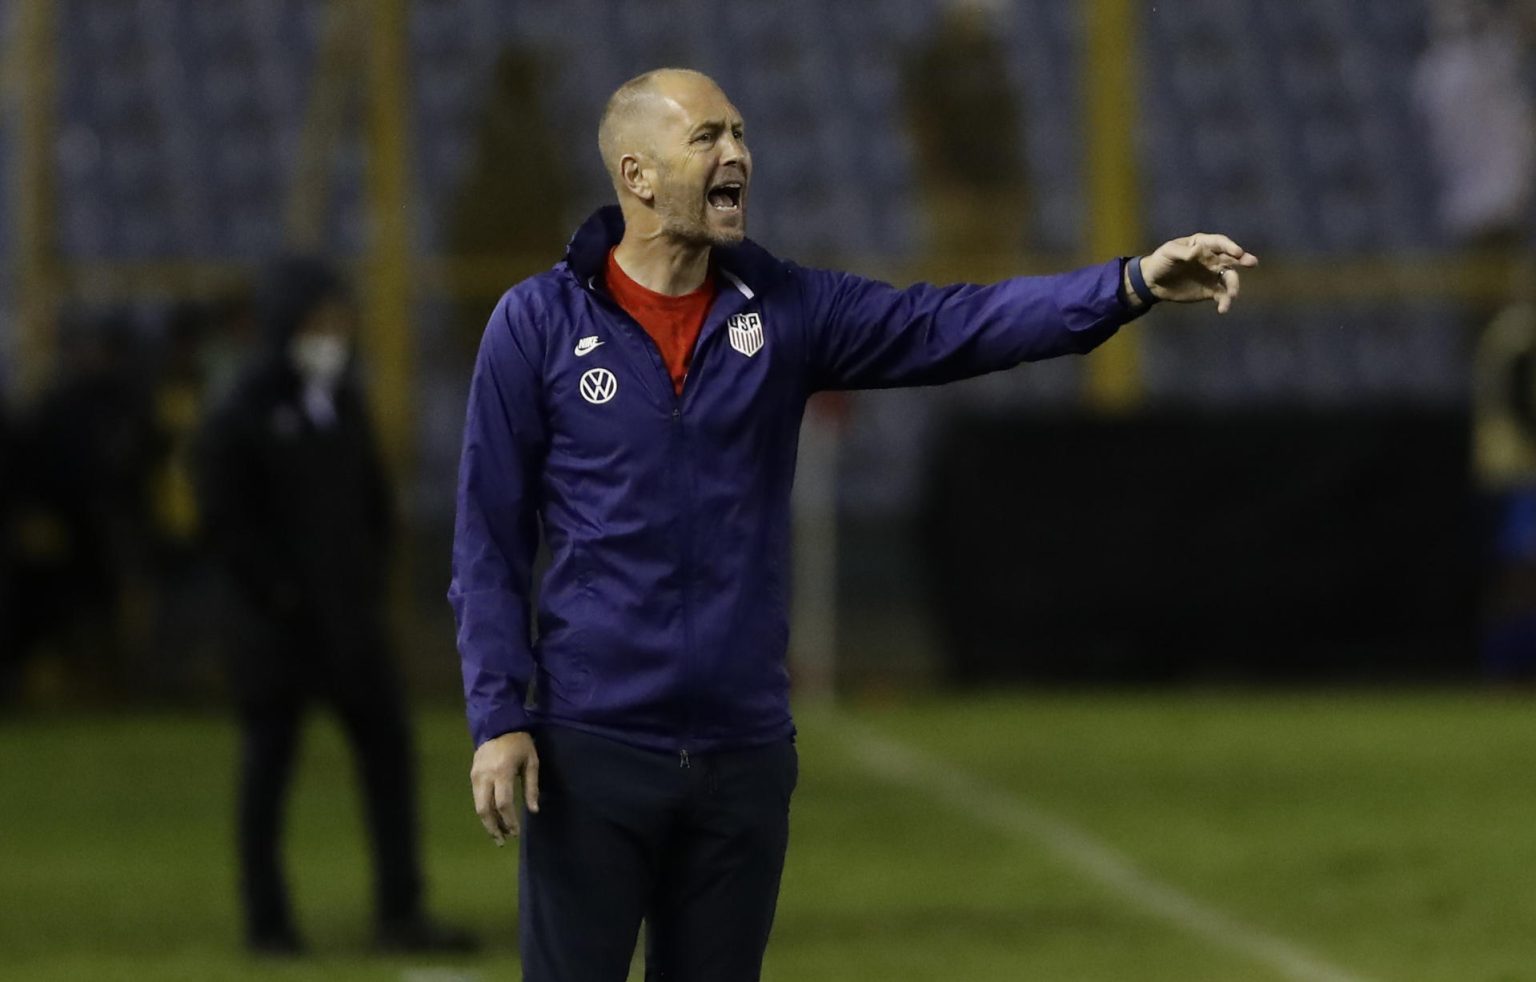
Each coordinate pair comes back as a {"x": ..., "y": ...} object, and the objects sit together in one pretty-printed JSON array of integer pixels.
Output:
[{"x": 747, "y": 267}]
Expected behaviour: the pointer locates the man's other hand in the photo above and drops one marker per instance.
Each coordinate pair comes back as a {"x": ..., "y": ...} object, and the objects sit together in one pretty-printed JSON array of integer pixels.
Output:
[
  {"x": 499, "y": 763},
  {"x": 1197, "y": 267}
]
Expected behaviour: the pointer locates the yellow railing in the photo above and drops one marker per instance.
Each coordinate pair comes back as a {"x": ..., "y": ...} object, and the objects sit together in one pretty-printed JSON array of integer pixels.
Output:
[
  {"x": 387, "y": 298},
  {"x": 32, "y": 65},
  {"x": 1111, "y": 82}
]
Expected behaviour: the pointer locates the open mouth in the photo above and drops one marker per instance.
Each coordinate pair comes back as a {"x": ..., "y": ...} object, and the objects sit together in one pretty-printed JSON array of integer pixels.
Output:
[{"x": 726, "y": 196}]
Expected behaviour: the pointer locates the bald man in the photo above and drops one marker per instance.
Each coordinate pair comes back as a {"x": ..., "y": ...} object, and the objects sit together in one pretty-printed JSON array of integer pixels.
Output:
[{"x": 640, "y": 405}]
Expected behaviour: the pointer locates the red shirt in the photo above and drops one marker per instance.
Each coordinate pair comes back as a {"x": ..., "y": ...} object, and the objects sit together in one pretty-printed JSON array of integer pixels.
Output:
[{"x": 672, "y": 322}]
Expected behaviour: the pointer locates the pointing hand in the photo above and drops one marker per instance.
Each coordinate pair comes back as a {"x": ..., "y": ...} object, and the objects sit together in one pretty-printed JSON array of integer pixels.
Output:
[{"x": 1197, "y": 267}]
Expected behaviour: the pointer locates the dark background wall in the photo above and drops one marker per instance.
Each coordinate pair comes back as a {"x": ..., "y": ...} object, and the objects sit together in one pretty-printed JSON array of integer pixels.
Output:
[{"x": 1168, "y": 546}]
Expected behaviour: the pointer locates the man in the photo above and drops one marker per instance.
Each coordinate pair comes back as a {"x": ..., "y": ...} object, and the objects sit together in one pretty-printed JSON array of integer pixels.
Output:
[
  {"x": 641, "y": 404},
  {"x": 297, "y": 508}
]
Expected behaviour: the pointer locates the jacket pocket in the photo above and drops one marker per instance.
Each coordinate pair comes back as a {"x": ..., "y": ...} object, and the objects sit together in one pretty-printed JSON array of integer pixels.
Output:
[{"x": 565, "y": 662}]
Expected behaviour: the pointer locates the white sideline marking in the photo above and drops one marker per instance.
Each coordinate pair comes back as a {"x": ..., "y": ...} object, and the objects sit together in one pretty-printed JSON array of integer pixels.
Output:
[{"x": 1017, "y": 816}]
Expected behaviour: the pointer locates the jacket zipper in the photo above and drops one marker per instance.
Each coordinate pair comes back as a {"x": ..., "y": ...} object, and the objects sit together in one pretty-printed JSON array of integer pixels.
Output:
[{"x": 683, "y": 509}]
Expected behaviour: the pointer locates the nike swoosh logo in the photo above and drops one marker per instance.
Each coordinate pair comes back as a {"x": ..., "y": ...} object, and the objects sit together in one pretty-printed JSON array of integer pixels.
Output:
[{"x": 586, "y": 346}]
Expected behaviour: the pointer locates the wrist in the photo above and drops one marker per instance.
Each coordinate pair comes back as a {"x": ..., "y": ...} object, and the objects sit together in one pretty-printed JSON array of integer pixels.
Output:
[{"x": 1139, "y": 288}]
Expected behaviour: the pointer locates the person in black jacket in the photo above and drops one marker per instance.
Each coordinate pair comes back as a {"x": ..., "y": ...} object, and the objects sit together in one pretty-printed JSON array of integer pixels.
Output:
[{"x": 297, "y": 508}]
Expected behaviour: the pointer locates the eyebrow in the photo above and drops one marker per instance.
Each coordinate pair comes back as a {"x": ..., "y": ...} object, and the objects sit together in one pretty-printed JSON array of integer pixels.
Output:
[{"x": 717, "y": 124}]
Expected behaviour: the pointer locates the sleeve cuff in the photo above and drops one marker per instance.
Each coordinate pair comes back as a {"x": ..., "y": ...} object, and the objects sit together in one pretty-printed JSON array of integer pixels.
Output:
[{"x": 497, "y": 720}]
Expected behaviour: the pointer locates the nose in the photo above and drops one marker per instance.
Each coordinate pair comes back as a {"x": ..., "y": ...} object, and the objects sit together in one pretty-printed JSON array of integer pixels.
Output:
[{"x": 733, "y": 150}]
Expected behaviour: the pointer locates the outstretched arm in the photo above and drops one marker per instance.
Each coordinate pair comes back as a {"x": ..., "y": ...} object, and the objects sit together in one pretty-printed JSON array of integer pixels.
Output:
[{"x": 862, "y": 333}]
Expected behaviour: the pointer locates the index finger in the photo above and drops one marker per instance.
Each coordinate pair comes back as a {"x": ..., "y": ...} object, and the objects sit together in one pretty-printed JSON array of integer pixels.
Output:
[{"x": 1221, "y": 245}]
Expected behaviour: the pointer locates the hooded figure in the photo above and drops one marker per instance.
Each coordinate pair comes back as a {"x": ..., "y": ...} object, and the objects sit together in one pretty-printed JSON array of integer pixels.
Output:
[
  {"x": 297, "y": 509},
  {"x": 294, "y": 494}
]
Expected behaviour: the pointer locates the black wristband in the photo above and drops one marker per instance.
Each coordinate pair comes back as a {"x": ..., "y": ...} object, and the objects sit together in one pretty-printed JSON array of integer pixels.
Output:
[{"x": 1138, "y": 282}]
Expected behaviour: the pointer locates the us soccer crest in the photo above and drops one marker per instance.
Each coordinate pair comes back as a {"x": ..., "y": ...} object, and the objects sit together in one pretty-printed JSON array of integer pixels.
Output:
[{"x": 747, "y": 333}]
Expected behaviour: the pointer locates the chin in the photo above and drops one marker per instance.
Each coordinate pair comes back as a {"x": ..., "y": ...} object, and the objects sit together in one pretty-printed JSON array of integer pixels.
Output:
[
  {"x": 703, "y": 230},
  {"x": 728, "y": 235}
]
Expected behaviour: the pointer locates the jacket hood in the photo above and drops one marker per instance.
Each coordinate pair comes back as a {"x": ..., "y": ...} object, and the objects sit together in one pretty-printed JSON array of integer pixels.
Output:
[{"x": 291, "y": 289}]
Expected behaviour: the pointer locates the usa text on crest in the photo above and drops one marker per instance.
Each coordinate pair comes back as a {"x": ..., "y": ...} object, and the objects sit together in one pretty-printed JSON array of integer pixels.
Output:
[{"x": 747, "y": 333}]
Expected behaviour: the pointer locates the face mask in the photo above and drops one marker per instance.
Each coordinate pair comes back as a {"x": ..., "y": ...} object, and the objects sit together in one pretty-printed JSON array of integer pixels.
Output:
[{"x": 320, "y": 358}]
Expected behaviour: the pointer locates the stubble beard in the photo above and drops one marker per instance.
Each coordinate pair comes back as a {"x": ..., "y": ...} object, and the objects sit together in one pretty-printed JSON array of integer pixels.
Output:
[{"x": 685, "y": 217}]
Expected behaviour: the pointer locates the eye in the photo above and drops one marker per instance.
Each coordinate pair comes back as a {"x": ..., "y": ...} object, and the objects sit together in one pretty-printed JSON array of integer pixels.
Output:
[
  {"x": 739, "y": 133},
  {"x": 704, "y": 137}
]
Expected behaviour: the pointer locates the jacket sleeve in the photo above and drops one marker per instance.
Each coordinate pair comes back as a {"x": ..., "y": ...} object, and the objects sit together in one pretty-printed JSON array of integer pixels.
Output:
[
  {"x": 864, "y": 334},
  {"x": 496, "y": 528}
]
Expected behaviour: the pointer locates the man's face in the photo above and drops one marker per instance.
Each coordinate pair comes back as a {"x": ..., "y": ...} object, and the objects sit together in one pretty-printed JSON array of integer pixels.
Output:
[
  {"x": 322, "y": 347},
  {"x": 702, "y": 166}
]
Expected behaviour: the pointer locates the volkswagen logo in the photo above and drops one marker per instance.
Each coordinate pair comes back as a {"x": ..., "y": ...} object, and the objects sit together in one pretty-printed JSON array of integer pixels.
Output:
[{"x": 598, "y": 386}]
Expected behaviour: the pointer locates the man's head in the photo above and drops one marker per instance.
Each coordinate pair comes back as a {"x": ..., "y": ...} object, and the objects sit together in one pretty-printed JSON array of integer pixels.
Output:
[
  {"x": 321, "y": 348},
  {"x": 309, "y": 318},
  {"x": 675, "y": 149}
]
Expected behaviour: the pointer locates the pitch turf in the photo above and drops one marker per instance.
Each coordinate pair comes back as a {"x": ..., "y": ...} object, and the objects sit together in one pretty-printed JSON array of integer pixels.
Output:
[{"x": 1385, "y": 836}]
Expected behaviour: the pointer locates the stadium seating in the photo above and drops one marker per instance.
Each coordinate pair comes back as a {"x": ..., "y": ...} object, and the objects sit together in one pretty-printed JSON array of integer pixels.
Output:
[
  {"x": 1288, "y": 125},
  {"x": 1304, "y": 147}
]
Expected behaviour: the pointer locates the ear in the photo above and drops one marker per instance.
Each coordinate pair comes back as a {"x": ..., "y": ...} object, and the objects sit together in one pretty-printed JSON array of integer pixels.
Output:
[{"x": 636, "y": 177}]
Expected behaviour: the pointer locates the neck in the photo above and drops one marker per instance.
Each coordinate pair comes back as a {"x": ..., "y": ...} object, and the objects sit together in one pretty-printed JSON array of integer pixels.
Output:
[{"x": 661, "y": 263}]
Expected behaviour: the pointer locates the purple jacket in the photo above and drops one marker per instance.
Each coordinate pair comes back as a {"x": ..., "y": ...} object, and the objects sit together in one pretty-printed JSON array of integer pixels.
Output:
[{"x": 663, "y": 617}]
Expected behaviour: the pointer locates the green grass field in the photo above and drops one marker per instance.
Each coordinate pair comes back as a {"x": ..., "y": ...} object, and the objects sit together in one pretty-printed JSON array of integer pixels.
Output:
[{"x": 1114, "y": 837}]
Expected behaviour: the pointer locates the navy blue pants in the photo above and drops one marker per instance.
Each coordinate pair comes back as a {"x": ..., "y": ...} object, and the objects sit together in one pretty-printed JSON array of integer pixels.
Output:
[{"x": 625, "y": 835}]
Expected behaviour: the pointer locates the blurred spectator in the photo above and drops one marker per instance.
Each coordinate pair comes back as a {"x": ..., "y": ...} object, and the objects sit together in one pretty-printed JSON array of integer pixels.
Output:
[
  {"x": 1472, "y": 87},
  {"x": 966, "y": 124},
  {"x": 297, "y": 508},
  {"x": 230, "y": 342},
  {"x": 186, "y": 627},
  {"x": 84, "y": 544},
  {"x": 1505, "y": 458},
  {"x": 514, "y": 197},
  {"x": 178, "y": 405}
]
